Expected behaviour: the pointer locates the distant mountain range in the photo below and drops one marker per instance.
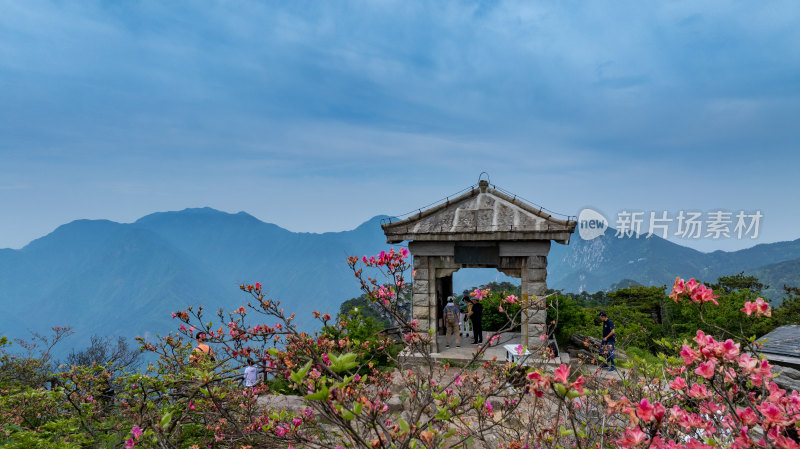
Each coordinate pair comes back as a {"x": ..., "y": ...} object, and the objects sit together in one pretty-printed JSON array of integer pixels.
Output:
[
  {"x": 107, "y": 278},
  {"x": 592, "y": 265}
]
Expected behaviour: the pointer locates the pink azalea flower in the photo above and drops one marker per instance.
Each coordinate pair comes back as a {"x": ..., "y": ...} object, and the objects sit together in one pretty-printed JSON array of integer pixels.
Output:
[
  {"x": 479, "y": 294},
  {"x": 645, "y": 410},
  {"x": 747, "y": 363},
  {"x": 534, "y": 375},
  {"x": 458, "y": 382},
  {"x": 749, "y": 308},
  {"x": 764, "y": 369},
  {"x": 706, "y": 369},
  {"x": 747, "y": 415},
  {"x": 691, "y": 286},
  {"x": 763, "y": 307},
  {"x": 688, "y": 354},
  {"x": 730, "y": 350},
  {"x": 703, "y": 294},
  {"x": 632, "y": 437},
  {"x": 258, "y": 286},
  {"x": 519, "y": 349},
  {"x": 678, "y": 384},
  {"x": 511, "y": 299},
  {"x": 561, "y": 374},
  {"x": 130, "y": 444},
  {"x": 678, "y": 288},
  {"x": 578, "y": 384},
  {"x": 136, "y": 431},
  {"x": 771, "y": 412},
  {"x": 659, "y": 411},
  {"x": 281, "y": 431},
  {"x": 702, "y": 339},
  {"x": 699, "y": 391},
  {"x": 760, "y": 307}
]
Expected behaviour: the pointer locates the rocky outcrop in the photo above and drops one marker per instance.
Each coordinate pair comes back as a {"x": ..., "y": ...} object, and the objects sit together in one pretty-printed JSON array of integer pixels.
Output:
[{"x": 787, "y": 378}]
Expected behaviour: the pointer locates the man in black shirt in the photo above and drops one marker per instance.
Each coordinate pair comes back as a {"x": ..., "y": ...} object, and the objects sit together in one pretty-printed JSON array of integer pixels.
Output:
[
  {"x": 476, "y": 315},
  {"x": 609, "y": 340}
]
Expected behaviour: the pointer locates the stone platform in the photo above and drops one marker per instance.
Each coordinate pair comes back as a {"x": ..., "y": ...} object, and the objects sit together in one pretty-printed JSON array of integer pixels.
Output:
[{"x": 466, "y": 352}]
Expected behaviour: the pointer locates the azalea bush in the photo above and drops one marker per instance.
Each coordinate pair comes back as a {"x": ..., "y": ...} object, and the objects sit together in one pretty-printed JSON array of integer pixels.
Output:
[
  {"x": 357, "y": 386},
  {"x": 717, "y": 393}
]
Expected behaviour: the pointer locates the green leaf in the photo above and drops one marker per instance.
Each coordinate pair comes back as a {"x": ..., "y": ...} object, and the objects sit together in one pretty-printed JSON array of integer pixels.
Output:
[
  {"x": 561, "y": 389},
  {"x": 299, "y": 375},
  {"x": 479, "y": 401},
  {"x": 346, "y": 414},
  {"x": 346, "y": 381},
  {"x": 165, "y": 420},
  {"x": 357, "y": 408},
  {"x": 404, "y": 425},
  {"x": 564, "y": 432},
  {"x": 319, "y": 395},
  {"x": 443, "y": 414},
  {"x": 344, "y": 362},
  {"x": 572, "y": 394}
]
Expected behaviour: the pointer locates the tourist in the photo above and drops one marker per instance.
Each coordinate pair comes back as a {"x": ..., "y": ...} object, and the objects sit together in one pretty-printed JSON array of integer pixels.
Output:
[
  {"x": 609, "y": 340},
  {"x": 451, "y": 321},
  {"x": 465, "y": 306},
  {"x": 202, "y": 350},
  {"x": 250, "y": 374},
  {"x": 476, "y": 316}
]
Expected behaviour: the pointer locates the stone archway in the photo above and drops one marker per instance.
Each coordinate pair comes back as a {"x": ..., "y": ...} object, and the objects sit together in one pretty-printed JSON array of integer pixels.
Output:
[{"x": 484, "y": 228}]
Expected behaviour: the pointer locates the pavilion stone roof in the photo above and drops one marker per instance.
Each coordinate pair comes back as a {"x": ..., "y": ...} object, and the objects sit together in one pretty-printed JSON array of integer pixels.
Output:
[{"x": 482, "y": 214}]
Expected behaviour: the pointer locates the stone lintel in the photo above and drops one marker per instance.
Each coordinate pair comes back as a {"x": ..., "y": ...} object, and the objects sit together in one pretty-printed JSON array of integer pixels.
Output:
[
  {"x": 433, "y": 248},
  {"x": 513, "y": 272},
  {"x": 522, "y": 249}
]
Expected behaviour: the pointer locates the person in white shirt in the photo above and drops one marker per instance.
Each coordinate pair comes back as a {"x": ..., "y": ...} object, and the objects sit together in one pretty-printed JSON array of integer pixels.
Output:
[{"x": 250, "y": 374}]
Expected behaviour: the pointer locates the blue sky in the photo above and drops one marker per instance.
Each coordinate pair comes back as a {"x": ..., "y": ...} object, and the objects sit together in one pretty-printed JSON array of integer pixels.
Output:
[{"x": 319, "y": 115}]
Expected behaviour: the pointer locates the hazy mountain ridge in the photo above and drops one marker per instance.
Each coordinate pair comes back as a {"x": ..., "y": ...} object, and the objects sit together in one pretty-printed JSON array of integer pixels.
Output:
[
  {"x": 125, "y": 279},
  {"x": 597, "y": 264}
]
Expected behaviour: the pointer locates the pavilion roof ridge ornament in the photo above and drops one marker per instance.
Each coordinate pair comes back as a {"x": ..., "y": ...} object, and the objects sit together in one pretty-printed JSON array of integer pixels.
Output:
[{"x": 482, "y": 211}]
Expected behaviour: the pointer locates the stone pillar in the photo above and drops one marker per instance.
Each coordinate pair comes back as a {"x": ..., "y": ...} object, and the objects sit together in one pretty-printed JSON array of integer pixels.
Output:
[
  {"x": 420, "y": 301},
  {"x": 536, "y": 287}
]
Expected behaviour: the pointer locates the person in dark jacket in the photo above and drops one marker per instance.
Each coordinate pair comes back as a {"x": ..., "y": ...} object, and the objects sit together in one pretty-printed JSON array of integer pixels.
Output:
[
  {"x": 475, "y": 316},
  {"x": 609, "y": 340}
]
